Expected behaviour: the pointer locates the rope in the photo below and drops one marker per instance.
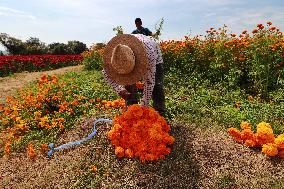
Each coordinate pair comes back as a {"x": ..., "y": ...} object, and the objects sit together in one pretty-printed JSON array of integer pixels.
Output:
[{"x": 78, "y": 142}]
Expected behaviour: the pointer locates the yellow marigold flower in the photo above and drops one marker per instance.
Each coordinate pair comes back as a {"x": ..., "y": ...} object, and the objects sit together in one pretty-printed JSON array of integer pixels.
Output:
[
  {"x": 245, "y": 125},
  {"x": 264, "y": 126},
  {"x": 279, "y": 141},
  {"x": 270, "y": 149},
  {"x": 250, "y": 98}
]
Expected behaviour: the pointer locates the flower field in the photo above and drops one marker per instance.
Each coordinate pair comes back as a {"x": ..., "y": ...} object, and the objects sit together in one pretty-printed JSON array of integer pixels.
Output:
[
  {"x": 212, "y": 84},
  {"x": 12, "y": 64}
]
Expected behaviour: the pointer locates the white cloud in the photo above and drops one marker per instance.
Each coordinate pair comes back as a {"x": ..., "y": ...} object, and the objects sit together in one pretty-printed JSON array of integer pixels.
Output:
[{"x": 5, "y": 11}]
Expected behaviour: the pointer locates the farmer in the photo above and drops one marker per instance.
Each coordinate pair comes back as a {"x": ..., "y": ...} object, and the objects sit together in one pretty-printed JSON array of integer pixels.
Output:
[
  {"x": 142, "y": 30},
  {"x": 128, "y": 58}
]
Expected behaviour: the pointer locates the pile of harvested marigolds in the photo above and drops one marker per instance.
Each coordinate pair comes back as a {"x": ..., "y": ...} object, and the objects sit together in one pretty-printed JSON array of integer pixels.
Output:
[
  {"x": 263, "y": 137},
  {"x": 141, "y": 132}
]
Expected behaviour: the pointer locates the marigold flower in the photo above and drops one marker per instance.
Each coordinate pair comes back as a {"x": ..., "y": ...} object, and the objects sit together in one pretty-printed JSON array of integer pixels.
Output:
[
  {"x": 250, "y": 98},
  {"x": 234, "y": 132},
  {"x": 94, "y": 168},
  {"x": 31, "y": 151},
  {"x": 7, "y": 148},
  {"x": 43, "y": 148},
  {"x": 269, "y": 23},
  {"x": 254, "y": 31},
  {"x": 139, "y": 85},
  {"x": 129, "y": 153},
  {"x": 260, "y": 26},
  {"x": 270, "y": 149},
  {"x": 245, "y": 125},
  {"x": 247, "y": 134},
  {"x": 281, "y": 154},
  {"x": 279, "y": 141},
  {"x": 140, "y": 131},
  {"x": 119, "y": 151}
]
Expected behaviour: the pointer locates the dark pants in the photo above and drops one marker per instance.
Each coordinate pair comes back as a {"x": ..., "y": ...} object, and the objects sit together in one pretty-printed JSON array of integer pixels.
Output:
[{"x": 158, "y": 95}]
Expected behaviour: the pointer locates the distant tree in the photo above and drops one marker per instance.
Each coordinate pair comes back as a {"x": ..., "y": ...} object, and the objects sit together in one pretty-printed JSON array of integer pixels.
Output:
[
  {"x": 76, "y": 47},
  {"x": 1, "y": 53},
  {"x": 99, "y": 46},
  {"x": 35, "y": 46},
  {"x": 57, "y": 48},
  {"x": 13, "y": 45}
]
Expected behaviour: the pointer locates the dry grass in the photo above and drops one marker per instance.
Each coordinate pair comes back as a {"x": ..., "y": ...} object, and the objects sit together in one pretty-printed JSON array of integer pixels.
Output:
[
  {"x": 10, "y": 83},
  {"x": 226, "y": 164},
  {"x": 200, "y": 158}
]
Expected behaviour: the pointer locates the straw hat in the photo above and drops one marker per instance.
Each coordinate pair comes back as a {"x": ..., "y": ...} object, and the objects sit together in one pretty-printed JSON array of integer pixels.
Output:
[{"x": 125, "y": 59}]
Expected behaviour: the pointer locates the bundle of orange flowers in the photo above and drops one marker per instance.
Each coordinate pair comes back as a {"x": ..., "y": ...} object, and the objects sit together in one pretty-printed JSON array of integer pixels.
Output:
[
  {"x": 141, "y": 132},
  {"x": 263, "y": 137}
]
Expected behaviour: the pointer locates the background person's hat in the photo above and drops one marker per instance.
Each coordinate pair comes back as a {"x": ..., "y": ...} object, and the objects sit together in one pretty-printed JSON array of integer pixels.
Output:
[{"x": 125, "y": 59}]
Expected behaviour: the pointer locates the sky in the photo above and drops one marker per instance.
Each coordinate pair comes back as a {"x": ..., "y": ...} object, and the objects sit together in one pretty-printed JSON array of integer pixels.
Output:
[{"x": 92, "y": 21}]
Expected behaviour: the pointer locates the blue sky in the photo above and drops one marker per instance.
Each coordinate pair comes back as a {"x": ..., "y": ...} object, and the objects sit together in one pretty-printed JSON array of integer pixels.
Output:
[{"x": 91, "y": 21}]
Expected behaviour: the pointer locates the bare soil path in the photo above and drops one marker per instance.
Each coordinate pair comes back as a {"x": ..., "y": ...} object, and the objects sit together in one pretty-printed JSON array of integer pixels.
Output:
[{"x": 11, "y": 83}]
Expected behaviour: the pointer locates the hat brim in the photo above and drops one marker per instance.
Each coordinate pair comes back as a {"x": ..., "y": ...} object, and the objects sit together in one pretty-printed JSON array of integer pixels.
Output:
[{"x": 141, "y": 59}]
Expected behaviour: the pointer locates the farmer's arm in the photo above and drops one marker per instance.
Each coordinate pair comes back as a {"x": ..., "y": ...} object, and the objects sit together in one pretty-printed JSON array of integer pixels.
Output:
[{"x": 115, "y": 86}]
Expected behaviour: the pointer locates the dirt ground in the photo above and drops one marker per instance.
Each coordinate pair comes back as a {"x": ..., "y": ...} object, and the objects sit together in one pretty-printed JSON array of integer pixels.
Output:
[{"x": 10, "y": 83}]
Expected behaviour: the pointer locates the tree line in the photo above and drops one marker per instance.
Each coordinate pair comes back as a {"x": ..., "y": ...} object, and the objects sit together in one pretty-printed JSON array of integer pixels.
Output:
[{"x": 33, "y": 46}]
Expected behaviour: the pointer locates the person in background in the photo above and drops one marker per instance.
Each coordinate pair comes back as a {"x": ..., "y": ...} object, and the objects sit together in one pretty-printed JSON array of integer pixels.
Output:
[{"x": 141, "y": 30}]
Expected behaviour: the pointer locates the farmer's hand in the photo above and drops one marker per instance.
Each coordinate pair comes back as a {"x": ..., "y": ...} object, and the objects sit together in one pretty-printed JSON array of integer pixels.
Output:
[{"x": 124, "y": 94}]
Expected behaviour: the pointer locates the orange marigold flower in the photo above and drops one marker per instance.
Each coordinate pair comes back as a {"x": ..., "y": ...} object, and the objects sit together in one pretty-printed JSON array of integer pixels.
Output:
[
  {"x": 270, "y": 149},
  {"x": 281, "y": 154},
  {"x": 129, "y": 153},
  {"x": 43, "y": 148},
  {"x": 139, "y": 85},
  {"x": 31, "y": 151},
  {"x": 7, "y": 148},
  {"x": 119, "y": 151},
  {"x": 245, "y": 125},
  {"x": 234, "y": 132},
  {"x": 94, "y": 168},
  {"x": 140, "y": 131},
  {"x": 247, "y": 134},
  {"x": 250, "y": 143}
]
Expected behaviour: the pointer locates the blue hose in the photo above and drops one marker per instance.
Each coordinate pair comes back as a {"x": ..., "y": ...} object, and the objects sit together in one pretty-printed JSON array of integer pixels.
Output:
[{"x": 69, "y": 144}]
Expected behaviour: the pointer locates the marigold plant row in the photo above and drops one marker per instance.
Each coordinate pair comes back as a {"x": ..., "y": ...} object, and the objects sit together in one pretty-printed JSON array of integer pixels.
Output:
[{"x": 19, "y": 63}]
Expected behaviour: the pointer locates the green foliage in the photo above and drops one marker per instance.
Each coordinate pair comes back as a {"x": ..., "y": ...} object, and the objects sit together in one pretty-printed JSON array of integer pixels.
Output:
[
  {"x": 93, "y": 61},
  {"x": 118, "y": 30}
]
